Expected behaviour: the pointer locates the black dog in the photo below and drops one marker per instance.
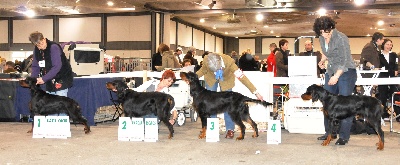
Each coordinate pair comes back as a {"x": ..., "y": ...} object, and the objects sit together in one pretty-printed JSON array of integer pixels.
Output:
[
  {"x": 137, "y": 104},
  {"x": 208, "y": 103},
  {"x": 336, "y": 107},
  {"x": 45, "y": 104}
]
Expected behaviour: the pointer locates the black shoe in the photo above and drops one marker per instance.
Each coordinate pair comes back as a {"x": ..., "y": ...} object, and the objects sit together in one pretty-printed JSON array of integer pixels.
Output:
[
  {"x": 341, "y": 141},
  {"x": 324, "y": 137}
]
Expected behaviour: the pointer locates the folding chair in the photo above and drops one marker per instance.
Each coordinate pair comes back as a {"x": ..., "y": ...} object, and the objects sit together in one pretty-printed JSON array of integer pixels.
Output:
[{"x": 118, "y": 107}]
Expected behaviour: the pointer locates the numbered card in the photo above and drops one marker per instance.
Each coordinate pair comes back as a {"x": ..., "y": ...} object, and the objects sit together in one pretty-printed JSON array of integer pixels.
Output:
[
  {"x": 39, "y": 127},
  {"x": 274, "y": 132},
  {"x": 151, "y": 130},
  {"x": 125, "y": 131},
  {"x": 58, "y": 127},
  {"x": 138, "y": 129},
  {"x": 212, "y": 130}
]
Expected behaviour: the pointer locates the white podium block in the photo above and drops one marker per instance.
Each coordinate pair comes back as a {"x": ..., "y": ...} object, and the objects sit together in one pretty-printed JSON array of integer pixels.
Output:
[
  {"x": 137, "y": 129},
  {"x": 51, "y": 127},
  {"x": 274, "y": 132},
  {"x": 125, "y": 131},
  {"x": 151, "y": 130},
  {"x": 212, "y": 130},
  {"x": 39, "y": 127}
]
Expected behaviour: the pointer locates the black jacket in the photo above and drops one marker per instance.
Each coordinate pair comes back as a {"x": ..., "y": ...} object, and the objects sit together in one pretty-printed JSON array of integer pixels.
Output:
[{"x": 64, "y": 78}]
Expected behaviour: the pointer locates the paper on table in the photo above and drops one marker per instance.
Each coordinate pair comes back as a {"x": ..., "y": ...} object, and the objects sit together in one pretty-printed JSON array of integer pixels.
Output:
[{"x": 188, "y": 68}]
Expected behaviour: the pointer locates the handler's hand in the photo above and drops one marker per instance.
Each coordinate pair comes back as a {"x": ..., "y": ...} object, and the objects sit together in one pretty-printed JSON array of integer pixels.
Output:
[
  {"x": 259, "y": 97},
  {"x": 39, "y": 81},
  {"x": 333, "y": 80},
  {"x": 321, "y": 64}
]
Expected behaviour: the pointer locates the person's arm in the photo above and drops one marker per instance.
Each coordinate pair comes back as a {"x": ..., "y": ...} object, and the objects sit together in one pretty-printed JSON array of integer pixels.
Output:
[
  {"x": 35, "y": 66},
  {"x": 367, "y": 54},
  {"x": 243, "y": 79},
  {"x": 55, "y": 54},
  {"x": 279, "y": 61}
]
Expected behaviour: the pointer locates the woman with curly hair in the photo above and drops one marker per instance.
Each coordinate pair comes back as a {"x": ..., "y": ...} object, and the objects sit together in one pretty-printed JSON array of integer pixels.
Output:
[{"x": 341, "y": 75}]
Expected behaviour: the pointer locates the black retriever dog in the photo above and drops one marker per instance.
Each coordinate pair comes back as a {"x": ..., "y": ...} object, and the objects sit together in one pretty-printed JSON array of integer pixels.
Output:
[
  {"x": 45, "y": 104},
  {"x": 208, "y": 103},
  {"x": 336, "y": 107},
  {"x": 137, "y": 104}
]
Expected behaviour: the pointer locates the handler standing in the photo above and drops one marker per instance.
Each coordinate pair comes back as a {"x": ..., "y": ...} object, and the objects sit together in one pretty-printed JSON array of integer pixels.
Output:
[
  {"x": 341, "y": 75},
  {"x": 50, "y": 65},
  {"x": 221, "y": 69}
]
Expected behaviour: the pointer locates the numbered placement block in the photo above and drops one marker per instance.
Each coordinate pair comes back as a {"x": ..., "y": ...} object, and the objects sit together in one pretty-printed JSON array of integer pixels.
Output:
[
  {"x": 274, "y": 132},
  {"x": 39, "y": 127},
  {"x": 51, "y": 127},
  {"x": 212, "y": 130},
  {"x": 151, "y": 130},
  {"x": 137, "y": 125},
  {"x": 125, "y": 129}
]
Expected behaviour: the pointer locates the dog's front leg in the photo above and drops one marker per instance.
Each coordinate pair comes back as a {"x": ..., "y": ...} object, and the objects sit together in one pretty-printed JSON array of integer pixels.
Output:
[
  {"x": 203, "y": 127},
  {"x": 329, "y": 136}
]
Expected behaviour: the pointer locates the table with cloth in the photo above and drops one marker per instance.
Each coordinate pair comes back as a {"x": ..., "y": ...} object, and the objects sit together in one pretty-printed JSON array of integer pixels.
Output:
[{"x": 90, "y": 93}]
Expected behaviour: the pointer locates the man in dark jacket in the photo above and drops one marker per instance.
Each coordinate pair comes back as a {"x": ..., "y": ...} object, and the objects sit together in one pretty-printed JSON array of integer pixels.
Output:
[
  {"x": 50, "y": 65},
  {"x": 370, "y": 52}
]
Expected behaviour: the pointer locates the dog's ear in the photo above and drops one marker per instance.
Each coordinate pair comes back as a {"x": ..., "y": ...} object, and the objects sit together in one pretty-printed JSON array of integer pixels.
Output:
[{"x": 120, "y": 85}]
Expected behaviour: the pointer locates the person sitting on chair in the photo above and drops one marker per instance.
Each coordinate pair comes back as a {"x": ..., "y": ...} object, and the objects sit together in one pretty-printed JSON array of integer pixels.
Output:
[{"x": 162, "y": 85}]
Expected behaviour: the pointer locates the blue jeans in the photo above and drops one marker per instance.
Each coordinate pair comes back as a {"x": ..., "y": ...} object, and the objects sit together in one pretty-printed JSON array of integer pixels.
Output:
[
  {"x": 344, "y": 87},
  {"x": 64, "y": 93},
  {"x": 229, "y": 124}
]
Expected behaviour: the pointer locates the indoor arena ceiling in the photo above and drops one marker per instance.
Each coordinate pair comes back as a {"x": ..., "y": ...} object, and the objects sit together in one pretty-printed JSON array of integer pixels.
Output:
[{"x": 236, "y": 18}]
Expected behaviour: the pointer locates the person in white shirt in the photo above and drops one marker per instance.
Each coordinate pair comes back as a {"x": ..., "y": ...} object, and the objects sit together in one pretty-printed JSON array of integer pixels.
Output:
[{"x": 162, "y": 85}]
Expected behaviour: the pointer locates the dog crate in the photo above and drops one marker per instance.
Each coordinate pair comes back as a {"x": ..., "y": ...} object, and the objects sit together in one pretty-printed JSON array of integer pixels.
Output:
[{"x": 304, "y": 116}]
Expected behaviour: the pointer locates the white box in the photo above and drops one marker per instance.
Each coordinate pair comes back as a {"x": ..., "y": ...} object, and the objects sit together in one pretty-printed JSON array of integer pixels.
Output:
[{"x": 303, "y": 116}]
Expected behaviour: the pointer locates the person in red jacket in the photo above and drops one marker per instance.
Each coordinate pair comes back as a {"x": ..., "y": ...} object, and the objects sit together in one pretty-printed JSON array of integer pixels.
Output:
[{"x": 271, "y": 64}]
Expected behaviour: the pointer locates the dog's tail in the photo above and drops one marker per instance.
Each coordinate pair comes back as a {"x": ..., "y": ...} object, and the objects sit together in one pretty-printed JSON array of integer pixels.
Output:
[{"x": 264, "y": 103}]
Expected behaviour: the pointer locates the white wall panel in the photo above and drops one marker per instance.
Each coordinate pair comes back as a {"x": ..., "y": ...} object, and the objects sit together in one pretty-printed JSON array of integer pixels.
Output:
[
  {"x": 167, "y": 27},
  {"x": 198, "y": 39},
  {"x": 210, "y": 43},
  {"x": 80, "y": 29},
  {"x": 172, "y": 32},
  {"x": 245, "y": 44},
  {"x": 22, "y": 29},
  {"x": 219, "y": 45},
  {"x": 267, "y": 41},
  {"x": 129, "y": 28},
  {"x": 184, "y": 35},
  {"x": 4, "y": 31}
]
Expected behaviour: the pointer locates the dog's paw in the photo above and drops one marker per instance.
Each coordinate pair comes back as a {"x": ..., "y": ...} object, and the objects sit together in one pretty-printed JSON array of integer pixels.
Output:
[
  {"x": 380, "y": 146},
  {"x": 239, "y": 138},
  {"x": 325, "y": 142}
]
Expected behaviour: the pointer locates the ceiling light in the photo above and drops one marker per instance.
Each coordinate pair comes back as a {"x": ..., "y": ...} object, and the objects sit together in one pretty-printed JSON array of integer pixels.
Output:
[
  {"x": 202, "y": 20},
  {"x": 77, "y": 1},
  {"x": 110, "y": 3},
  {"x": 226, "y": 33},
  {"x": 271, "y": 32},
  {"x": 253, "y": 31},
  {"x": 30, "y": 13},
  {"x": 380, "y": 23},
  {"x": 381, "y": 29},
  {"x": 236, "y": 37},
  {"x": 359, "y": 2},
  {"x": 368, "y": 35},
  {"x": 266, "y": 26},
  {"x": 214, "y": 27},
  {"x": 322, "y": 12},
  {"x": 259, "y": 17},
  {"x": 390, "y": 14}
]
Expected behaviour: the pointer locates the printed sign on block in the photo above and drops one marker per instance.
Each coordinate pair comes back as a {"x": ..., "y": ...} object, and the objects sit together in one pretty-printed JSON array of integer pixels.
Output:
[
  {"x": 212, "y": 130},
  {"x": 274, "y": 132},
  {"x": 51, "y": 127},
  {"x": 125, "y": 129},
  {"x": 137, "y": 129},
  {"x": 151, "y": 130}
]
